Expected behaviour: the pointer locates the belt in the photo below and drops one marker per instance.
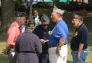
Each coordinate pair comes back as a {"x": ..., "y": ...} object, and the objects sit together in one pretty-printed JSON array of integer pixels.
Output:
[
  {"x": 26, "y": 52},
  {"x": 77, "y": 49},
  {"x": 54, "y": 46}
]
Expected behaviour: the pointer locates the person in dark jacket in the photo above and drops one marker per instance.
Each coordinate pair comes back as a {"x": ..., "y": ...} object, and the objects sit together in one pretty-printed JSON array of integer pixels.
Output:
[
  {"x": 28, "y": 46},
  {"x": 43, "y": 31}
]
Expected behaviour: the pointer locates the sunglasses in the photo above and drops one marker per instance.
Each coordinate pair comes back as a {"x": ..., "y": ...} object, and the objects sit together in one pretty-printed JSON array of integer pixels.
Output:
[{"x": 45, "y": 24}]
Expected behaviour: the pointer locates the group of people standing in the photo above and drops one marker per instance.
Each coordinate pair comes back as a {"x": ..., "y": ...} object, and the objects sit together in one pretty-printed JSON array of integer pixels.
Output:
[{"x": 47, "y": 43}]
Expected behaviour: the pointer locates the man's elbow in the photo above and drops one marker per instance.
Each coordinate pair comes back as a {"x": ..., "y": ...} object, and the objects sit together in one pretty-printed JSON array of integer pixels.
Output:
[{"x": 62, "y": 40}]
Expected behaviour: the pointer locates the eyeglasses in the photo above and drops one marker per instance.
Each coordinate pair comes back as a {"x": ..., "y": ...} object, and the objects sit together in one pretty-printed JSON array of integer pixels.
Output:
[{"x": 75, "y": 19}]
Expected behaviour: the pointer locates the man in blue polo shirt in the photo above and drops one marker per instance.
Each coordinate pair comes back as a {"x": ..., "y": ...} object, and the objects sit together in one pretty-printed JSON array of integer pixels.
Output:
[
  {"x": 79, "y": 42},
  {"x": 58, "y": 41}
]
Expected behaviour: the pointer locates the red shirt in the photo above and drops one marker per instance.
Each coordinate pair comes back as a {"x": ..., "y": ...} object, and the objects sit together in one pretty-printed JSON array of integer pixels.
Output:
[{"x": 12, "y": 34}]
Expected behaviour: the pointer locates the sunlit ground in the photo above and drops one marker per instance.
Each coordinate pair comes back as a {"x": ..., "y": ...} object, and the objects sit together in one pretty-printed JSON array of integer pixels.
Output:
[{"x": 4, "y": 58}]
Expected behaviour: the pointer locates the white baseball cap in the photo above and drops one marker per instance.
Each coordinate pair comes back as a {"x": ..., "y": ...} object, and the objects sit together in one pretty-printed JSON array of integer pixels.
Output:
[{"x": 58, "y": 10}]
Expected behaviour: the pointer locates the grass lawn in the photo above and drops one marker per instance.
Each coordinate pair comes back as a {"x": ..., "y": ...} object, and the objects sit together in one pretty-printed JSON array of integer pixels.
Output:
[{"x": 4, "y": 58}]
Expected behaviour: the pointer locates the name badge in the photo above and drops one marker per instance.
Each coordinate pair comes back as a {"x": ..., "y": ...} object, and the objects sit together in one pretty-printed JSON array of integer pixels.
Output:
[
  {"x": 49, "y": 32},
  {"x": 75, "y": 34}
]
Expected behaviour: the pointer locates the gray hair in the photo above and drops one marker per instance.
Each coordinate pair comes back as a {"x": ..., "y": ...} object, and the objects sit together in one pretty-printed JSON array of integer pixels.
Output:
[{"x": 44, "y": 18}]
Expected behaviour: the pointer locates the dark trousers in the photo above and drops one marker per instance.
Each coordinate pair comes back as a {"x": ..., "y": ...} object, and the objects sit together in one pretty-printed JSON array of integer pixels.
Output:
[
  {"x": 11, "y": 55},
  {"x": 44, "y": 58}
]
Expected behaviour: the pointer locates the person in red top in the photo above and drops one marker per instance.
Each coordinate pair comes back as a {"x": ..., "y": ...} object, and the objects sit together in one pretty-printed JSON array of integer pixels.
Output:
[{"x": 12, "y": 34}]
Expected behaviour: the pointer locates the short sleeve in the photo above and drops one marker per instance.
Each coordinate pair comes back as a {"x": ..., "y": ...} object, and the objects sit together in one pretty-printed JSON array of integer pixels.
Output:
[
  {"x": 60, "y": 32},
  {"x": 84, "y": 36}
]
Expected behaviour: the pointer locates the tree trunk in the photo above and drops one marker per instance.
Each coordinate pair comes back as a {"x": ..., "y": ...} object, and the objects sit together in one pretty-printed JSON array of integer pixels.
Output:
[
  {"x": 31, "y": 9},
  {"x": 7, "y": 14}
]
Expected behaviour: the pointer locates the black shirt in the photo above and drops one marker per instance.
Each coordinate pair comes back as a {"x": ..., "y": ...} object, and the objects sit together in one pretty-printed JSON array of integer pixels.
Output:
[
  {"x": 43, "y": 34},
  {"x": 80, "y": 36}
]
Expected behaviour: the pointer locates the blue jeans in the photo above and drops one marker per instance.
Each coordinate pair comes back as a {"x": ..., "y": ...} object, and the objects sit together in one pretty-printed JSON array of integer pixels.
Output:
[{"x": 83, "y": 56}]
